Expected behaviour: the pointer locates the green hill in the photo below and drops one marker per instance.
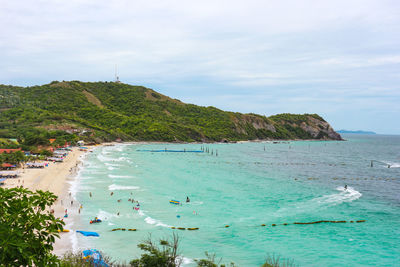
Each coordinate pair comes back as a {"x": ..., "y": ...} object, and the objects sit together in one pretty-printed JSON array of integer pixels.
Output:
[{"x": 105, "y": 111}]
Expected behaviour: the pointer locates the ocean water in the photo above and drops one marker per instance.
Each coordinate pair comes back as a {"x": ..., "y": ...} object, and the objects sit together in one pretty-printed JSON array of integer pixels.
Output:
[{"x": 245, "y": 186}]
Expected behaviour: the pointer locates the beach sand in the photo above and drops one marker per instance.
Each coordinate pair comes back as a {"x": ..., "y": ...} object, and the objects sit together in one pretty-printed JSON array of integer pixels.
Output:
[{"x": 55, "y": 178}]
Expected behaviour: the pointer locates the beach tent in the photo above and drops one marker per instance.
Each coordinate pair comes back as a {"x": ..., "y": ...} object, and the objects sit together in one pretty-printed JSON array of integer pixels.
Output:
[
  {"x": 36, "y": 164},
  {"x": 9, "y": 174},
  {"x": 2, "y": 181},
  {"x": 94, "y": 256},
  {"x": 55, "y": 159},
  {"x": 7, "y": 166}
]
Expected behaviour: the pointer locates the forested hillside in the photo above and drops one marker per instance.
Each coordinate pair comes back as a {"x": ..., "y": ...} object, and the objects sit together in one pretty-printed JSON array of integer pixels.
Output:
[{"x": 106, "y": 111}]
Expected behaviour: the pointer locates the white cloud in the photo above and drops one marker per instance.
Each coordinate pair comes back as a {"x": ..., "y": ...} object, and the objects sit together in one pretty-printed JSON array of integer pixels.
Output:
[{"x": 304, "y": 51}]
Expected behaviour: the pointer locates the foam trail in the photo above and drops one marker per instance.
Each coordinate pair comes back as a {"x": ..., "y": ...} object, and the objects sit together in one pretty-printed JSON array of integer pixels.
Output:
[
  {"x": 392, "y": 164},
  {"x": 122, "y": 187},
  {"x": 345, "y": 195}
]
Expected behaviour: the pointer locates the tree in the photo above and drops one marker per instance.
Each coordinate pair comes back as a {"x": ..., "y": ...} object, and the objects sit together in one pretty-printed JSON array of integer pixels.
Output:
[
  {"x": 27, "y": 227},
  {"x": 166, "y": 254}
]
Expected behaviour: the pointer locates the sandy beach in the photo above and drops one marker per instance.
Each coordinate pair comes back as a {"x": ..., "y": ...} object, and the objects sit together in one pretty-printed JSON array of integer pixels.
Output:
[{"x": 55, "y": 178}]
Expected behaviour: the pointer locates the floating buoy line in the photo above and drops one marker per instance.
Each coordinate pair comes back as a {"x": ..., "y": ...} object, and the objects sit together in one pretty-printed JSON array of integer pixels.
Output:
[{"x": 228, "y": 226}]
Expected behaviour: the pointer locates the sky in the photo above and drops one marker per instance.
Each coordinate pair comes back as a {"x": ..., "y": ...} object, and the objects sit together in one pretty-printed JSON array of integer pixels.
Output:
[{"x": 339, "y": 59}]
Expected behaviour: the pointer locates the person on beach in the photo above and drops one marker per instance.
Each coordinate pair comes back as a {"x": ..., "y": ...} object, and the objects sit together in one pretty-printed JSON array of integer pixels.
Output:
[{"x": 72, "y": 202}]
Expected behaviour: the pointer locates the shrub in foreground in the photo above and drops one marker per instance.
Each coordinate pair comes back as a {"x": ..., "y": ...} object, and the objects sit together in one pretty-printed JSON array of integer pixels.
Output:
[{"x": 27, "y": 227}]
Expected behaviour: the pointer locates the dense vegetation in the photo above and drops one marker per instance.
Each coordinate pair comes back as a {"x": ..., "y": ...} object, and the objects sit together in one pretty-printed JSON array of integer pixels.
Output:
[
  {"x": 105, "y": 111},
  {"x": 27, "y": 228}
]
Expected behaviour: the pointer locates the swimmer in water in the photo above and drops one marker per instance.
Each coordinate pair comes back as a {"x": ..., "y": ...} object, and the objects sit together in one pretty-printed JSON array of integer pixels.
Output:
[
  {"x": 187, "y": 199},
  {"x": 345, "y": 187}
]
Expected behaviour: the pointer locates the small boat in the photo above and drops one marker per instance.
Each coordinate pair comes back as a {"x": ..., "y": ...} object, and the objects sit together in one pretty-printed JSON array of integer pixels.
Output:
[
  {"x": 96, "y": 220},
  {"x": 176, "y": 202}
]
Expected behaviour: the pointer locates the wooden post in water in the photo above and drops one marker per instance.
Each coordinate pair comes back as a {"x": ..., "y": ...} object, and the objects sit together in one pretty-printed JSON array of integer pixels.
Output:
[
  {"x": 216, "y": 153},
  {"x": 372, "y": 164}
]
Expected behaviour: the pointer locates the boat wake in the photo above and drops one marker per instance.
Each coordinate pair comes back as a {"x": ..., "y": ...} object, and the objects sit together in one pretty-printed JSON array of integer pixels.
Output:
[
  {"x": 392, "y": 164},
  {"x": 323, "y": 202}
]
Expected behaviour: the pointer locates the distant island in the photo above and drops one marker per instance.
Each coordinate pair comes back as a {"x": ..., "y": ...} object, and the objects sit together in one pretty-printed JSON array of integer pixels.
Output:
[
  {"x": 355, "y": 132},
  {"x": 113, "y": 111}
]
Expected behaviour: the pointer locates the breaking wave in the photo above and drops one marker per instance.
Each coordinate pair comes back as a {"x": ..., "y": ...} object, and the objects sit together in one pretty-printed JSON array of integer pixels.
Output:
[{"x": 122, "y": 187}]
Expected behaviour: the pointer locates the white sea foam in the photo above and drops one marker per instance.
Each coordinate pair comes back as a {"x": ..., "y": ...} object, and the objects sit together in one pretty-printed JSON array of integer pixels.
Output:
[
  {"x": 120, "y": 148},
  {"x": 186, "y": 261},
  {"x": 112, "y": 164},
  {"x": 392, "y": 164},
  {"x": 119, "y": 176},
  {"x": 103, "y": 158},
  {"x": 74, "y": 241},
  {"x": 122, "y": 187},
  {"x": 111, "y": 168},
  {"x": 104, "y": 215},
  {"x": 153, "y": 221},
  {"x": 345, "y": 195}
]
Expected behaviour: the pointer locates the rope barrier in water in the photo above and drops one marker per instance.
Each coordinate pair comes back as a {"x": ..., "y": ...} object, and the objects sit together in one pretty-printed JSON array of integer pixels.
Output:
[
  {"x": 306, "y": 223},
  {"x": 262, "y": 225}
]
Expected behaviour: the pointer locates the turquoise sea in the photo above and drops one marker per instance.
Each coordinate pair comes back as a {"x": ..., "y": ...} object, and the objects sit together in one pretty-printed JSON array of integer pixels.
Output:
[{"x": 245, "y": 186}]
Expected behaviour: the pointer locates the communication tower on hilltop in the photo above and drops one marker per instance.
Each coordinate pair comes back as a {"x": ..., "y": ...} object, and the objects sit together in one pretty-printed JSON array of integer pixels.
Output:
[{"x": 116, "y": 76}]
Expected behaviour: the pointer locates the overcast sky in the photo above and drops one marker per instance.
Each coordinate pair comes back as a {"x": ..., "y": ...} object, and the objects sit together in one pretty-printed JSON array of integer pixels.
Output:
[{"x": 340, "y": 59}]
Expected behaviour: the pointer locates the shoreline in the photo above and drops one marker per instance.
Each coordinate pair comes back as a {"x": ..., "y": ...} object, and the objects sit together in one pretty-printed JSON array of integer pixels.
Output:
[
  {"x": 56, "y": 178},
  {"x": 59, "y": 177}
]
